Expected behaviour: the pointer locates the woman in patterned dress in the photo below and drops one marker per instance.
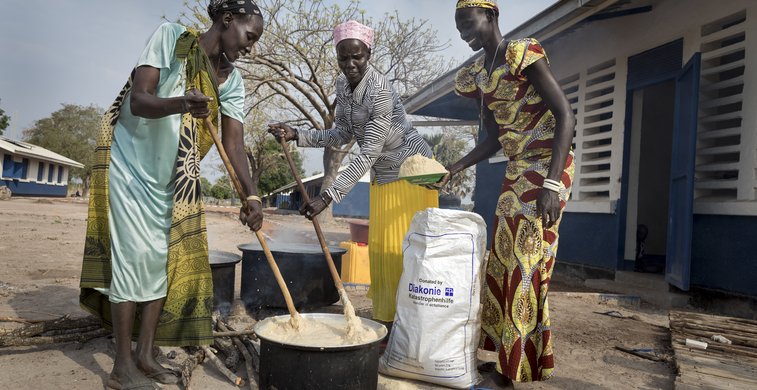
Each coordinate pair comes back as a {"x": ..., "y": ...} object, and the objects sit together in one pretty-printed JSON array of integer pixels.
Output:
[
  {"x": 369, "y": 111},
  {"x": 527, "y": 116},
  {"x": 146, "y": 271}
]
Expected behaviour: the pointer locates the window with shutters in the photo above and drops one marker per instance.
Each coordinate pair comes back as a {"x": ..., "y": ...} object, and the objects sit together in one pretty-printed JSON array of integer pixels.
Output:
[
  {"x": 40, "y": 172},
  {"x": 597, "y": 143},
  {"x": 720, "y": 165}
]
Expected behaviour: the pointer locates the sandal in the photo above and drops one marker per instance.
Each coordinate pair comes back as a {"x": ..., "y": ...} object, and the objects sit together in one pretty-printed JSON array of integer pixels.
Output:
[{"x": 611, "y": 313}]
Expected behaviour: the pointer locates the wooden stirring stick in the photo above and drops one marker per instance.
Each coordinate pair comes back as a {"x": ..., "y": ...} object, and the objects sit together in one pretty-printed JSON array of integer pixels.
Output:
[
  {"x": 295, "y": 317},
  {"x": 349, "y": 310}
]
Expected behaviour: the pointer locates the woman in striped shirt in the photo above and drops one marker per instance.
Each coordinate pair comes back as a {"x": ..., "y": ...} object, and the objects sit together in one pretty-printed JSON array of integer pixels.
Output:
[{"x": 369, "y": 111}]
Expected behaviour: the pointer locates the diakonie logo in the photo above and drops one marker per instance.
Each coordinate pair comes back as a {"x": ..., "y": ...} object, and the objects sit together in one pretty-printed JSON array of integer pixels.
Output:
[{"x": 420, "y": 289}]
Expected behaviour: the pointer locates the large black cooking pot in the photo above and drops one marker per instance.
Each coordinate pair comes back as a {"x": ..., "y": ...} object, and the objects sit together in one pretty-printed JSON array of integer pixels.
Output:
[
  {"x": 298, "y": 367},
  {"x": 304, "y": 269}
]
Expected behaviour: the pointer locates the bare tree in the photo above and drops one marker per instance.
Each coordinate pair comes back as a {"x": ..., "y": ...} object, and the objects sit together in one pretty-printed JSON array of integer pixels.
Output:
[
  {"x": 296, "y": 61},
  {"x": 448, "y": 146},
  {"x": 268, "y": 167}
]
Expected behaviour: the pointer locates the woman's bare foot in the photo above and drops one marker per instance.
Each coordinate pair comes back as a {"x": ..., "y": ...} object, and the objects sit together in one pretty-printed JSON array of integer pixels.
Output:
[
  {"x": 153, "y": 370},
  {"x": 128, "y": 376}
]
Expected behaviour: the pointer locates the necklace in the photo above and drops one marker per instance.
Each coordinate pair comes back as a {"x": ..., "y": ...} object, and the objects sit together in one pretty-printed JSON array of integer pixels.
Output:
[
  {"x": 488, "y": 77},
  {"x": 494, "y": 59}
]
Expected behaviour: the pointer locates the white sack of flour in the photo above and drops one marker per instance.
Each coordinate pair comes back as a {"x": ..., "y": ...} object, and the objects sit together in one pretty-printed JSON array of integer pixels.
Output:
[{"x": 437, "y": 326}]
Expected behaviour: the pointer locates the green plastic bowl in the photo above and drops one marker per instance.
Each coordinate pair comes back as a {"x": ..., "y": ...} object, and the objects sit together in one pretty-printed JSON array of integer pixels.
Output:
[{"x": 425, "y": 179}]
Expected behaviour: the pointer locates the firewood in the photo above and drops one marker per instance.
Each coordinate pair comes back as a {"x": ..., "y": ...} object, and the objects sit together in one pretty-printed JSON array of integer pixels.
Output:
[
  {"x": 59, "y": 332},
  {"x": 254, "y": 352},
  {"x": 195, "y": 358},
  {"x": 16, "y": 341},
  {"x": 248, "y": 359},
  {"x": 239, "y": 382},
  {"x": 65, "y": 322},
  {"x": 226, "y": 346},
  {"x": 234, "y": 333}
]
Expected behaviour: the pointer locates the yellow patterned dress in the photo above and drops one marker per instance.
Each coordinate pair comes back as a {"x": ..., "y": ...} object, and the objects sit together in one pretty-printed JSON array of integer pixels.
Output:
[
  {"x": 146, "y": 236},
  {"x": 515, "y": 320}
]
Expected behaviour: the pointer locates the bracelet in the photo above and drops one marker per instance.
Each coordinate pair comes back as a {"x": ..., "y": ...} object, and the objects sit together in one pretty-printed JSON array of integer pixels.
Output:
[
  {"x": 325, "y": 198},
  {"x": 255, "y": 198},
  {"x": 552, "y": 185}
]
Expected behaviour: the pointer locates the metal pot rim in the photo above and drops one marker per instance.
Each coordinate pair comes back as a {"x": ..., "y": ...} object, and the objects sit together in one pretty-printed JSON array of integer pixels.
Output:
[{"x": 300, "y": 249}]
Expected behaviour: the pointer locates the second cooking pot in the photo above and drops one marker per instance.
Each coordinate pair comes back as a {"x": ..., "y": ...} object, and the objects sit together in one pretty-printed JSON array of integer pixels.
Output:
[{"x": 304, "y": 269}]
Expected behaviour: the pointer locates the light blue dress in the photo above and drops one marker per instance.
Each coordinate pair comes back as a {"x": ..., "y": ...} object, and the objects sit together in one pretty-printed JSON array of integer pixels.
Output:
[{"x": 142, "y": 175}]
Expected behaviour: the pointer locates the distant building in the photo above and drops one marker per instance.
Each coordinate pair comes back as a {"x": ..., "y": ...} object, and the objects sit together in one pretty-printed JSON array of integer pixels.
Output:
[
  {"x": 30, "y": 170},
  {"x": 355, "y": 205},
  {"x": 665, "y": 94}
]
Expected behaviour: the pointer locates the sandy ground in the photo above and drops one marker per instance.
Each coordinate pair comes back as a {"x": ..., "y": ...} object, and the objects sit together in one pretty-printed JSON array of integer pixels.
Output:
[{"x": 40, "y": 260}]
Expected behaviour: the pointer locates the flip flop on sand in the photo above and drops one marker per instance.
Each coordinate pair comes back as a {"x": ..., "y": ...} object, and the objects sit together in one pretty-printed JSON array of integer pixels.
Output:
[
  {"x": 116, "y": 385},
  {"x": 616, "y": 314}
]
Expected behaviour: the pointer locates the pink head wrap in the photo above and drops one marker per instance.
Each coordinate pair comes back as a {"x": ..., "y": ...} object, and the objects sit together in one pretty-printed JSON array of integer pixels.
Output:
[{"x": 353, "y": 30}]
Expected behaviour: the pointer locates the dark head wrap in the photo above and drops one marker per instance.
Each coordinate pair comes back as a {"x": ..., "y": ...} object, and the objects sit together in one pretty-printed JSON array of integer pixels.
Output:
[{"x": 243, "y": 7}]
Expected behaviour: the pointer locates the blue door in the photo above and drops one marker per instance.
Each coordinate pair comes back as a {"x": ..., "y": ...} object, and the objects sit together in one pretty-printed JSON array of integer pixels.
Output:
[{"x": 681, "y": 207}]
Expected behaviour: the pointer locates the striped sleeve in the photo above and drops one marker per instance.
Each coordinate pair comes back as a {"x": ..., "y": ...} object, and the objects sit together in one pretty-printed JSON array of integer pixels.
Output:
[
  {"x": 376, "y": 132},
  {"x": 323, "y": 138},
  {"x": 337, "y": 136}
]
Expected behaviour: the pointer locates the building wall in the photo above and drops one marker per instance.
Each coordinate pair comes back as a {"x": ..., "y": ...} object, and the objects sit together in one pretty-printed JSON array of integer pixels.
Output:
[
  {"x": 20, "y": 174},
  {"x": 591, "y": 65},
  {"x": 590, "y": 239},
  {"x": 21, "y": 188},
  {"x": 723, "y": 253}
]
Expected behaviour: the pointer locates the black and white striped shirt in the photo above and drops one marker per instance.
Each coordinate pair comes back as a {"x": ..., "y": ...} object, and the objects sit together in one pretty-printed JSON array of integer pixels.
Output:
[{"x": 374, "y": 116}]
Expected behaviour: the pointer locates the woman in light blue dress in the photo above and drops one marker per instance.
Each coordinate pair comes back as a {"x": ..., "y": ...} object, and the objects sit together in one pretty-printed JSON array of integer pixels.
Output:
[{"x": 146, "y": 242}]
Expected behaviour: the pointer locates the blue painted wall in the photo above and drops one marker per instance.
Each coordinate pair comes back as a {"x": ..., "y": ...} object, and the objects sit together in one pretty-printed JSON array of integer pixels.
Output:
[
  {"x": 590, "y": 239},
  {"x": 585, "y": 238},
  {"x": 356, "y": 204},
  {"x": 34, "y": 189},
  {"x": 488, "y": 187},
  {"x": 14, "y": 169},
  {"x": 723, "y": 255}
]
